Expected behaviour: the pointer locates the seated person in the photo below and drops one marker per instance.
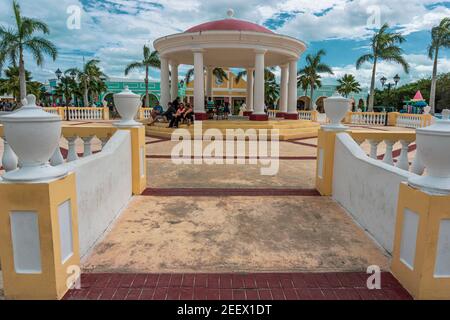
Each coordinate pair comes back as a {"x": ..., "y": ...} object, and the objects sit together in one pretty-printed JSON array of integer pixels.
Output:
[
  {"x": 188, "y": 114},
  {"x": 157, "y": 113},
  {"x": 170, "y": 112},
  {"x": 177, "y": 116}
]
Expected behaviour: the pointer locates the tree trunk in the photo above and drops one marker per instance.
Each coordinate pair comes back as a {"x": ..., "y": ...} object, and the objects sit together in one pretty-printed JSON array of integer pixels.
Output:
[
  {"x": 433, "y": 83},
  {"x": 372, "y": 87},
  {"x": 22, "y": 78},
  {"x": 85, "y": 96},
  {"x": 311, "y": 103},
  {"x": 147, "y": 98}
]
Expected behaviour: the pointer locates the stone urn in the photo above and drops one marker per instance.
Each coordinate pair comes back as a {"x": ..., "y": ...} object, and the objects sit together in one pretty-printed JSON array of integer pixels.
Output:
[
  {"x": 127, "y": 104},
  {"x": 336, "y": 108},
  {"x": 33, "y": 135},
  {"x": 433, "y": 148}
]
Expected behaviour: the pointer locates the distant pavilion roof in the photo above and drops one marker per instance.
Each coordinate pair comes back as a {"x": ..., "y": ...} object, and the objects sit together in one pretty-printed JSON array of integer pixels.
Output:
[{"x": 229, "y": 24}]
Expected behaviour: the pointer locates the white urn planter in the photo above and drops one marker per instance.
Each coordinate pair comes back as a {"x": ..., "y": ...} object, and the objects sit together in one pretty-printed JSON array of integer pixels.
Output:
[
  {"x": 127, "y": 104},
  {"x": 33, "y": 134},
  {"x": 433, "y": 147},
  {"x": 336, "y": 107}
]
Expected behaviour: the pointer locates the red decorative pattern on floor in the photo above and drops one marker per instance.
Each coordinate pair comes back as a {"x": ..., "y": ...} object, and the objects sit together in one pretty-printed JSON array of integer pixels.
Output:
[
  {"x": 253, "y": 286},
  {"x": 225, "y": 192}
]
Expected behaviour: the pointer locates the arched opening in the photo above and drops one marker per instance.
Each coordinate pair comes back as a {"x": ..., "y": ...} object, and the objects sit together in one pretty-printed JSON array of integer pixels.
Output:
[
  {"x": 361, "y": 104},
  {"x": 319, "y": 104},
  {"x": 109, "y": 98},
  {"x": 303, "y": 103},
  {"x": 152, "y": 98}
]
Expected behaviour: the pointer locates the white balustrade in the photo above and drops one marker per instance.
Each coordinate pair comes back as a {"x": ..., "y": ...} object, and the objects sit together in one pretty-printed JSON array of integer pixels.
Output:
[
  {"x": 147, "y": 113},
  {"x": 399, "y": 159},
  {"x": 305, "y": 115},
  {"x": 368, "y": 118},
  {"x": 413, "y": 120},
  {"x": 272, "y": 113}
]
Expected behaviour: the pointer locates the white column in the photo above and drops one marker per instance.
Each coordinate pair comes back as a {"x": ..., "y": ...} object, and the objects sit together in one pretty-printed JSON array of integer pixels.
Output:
[
  {"x": 250, "y": 84},
  {"x": 284, "y": 88},
  {"x": 259, "y": 82},
  {"x": 199, "y": 88},
  {"x": 209, "y": 78},
  {"x": 174, "y": 82},
  {"x": 292, "y": 90},
  {"x": 165, "y": 93}
]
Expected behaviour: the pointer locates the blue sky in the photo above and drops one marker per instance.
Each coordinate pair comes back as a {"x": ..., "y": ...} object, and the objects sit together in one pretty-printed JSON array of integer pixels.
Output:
[{"x": 115, "y": 30}]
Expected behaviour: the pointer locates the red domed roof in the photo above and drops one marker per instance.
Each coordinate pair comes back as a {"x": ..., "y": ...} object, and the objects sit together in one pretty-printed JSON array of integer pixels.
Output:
[{"x": 229, "y": 24}]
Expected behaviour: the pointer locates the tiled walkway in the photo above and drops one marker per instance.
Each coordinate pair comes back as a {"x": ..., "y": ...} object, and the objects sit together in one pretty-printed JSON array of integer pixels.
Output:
[{"x": 258, "y": 286}]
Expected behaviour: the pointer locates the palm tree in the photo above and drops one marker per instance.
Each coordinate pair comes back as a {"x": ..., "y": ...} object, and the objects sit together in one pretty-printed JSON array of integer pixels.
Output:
[
  {"x": 303, "y": 83},
  {"x": 15, "y": 41},
  {"x": 271, "y": 91},
  {"x": 11, "y": 84},
  {"x": 218, "y": 73},
  {"x": 268, "y": 74},
  {"x": 151, "y": 60},
  {"x": 89, "y": 78},
  {"x": 314, "y": 66},
  {"x": 347, "y": 85},
  {"x": 384, "y": 47},
  {"x": 63, "y": 88},
  {"x": 440, "y": 38}
]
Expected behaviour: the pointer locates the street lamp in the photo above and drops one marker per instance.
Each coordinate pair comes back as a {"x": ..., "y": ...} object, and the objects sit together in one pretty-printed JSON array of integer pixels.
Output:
[
  {"x": 58, "y": 73},
  {"x": 396, "y": 79},
  {"x": 389, "y": 85}
]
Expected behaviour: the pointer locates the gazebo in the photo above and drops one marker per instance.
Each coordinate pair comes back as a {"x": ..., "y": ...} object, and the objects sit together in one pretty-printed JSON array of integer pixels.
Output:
[{"x": 231, "y": 43}]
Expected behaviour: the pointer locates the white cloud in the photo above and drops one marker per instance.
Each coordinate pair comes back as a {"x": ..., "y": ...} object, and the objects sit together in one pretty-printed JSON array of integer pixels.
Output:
[{"x": 115, "y": 30}]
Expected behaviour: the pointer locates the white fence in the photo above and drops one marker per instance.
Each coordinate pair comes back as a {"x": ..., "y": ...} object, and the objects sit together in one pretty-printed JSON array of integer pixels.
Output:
[
  {"x": 372, "y": 202},
  {"x": 368, "y": 118},
  {"x": 103, "y": 188}
]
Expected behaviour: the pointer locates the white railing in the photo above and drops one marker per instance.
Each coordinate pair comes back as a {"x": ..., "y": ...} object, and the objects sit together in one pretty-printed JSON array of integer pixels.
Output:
[
  {"x": 389, "y": 139},
  {"x": 371, "y": 201},
  {"x": 307, "y": 115},
  {"x": 84, "y": 113},
  {"x": 272, "y": 113},
  {"x": 413, "y": 120},
  {"x": 146, "y": 112},
  {"x": 79, "y": 142},
  {"x": 104, "y": 186},
  {"x": 367, "y": 118}
]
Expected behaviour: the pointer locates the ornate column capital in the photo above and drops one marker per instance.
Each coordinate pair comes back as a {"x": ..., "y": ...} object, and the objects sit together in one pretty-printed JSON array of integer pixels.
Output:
[{"x": 260, "y": 51}]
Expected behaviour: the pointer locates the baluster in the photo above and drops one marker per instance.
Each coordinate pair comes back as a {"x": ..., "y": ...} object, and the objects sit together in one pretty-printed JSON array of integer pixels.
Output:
[
  {"x": 57, "y": 157},
  {"x": 373, "y": 148},
  {"x": 87, "y": 145},
  {"x": 388, "y": 155},
  {"x": 417, "y": 166},
  {"x": 402, "y": 161},
  {"x": 9, "y": 159},
  {"x": 104, "y": 140},
  {"x": 72, "y": 153}
]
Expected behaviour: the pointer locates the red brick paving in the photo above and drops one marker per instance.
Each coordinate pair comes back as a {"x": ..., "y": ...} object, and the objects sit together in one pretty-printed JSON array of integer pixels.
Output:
[
  {"x": 227, "y": 192},
  {"x": 249, "y": 286}
]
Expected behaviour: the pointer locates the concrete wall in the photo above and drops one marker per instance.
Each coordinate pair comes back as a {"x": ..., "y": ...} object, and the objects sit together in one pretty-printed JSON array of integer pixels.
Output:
[
  {"x": 367, "y": 189},
  {"x": 103, "y": 188}
]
